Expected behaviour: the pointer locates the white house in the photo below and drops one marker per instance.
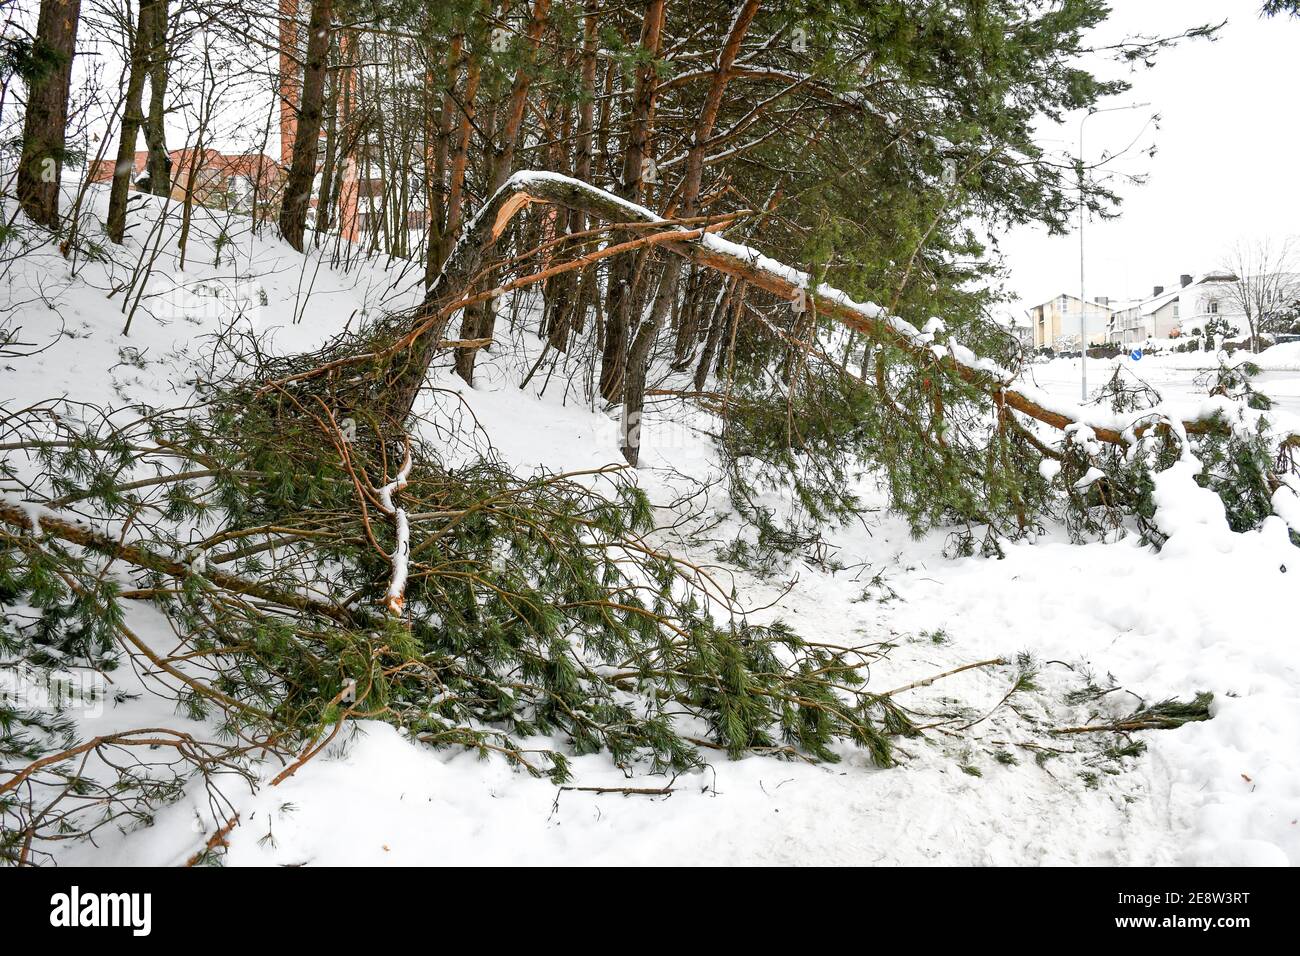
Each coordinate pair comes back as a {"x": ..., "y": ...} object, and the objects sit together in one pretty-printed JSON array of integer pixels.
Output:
[{"x": 1168, "y": 313}]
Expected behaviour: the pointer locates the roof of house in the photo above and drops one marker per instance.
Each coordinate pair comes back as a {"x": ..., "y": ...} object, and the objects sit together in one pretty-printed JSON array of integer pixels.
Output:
[
  {"x": 1155, "y": 303},
  {"x": 1158, "y": 302},
  {"x": 1066, "y": 295}
]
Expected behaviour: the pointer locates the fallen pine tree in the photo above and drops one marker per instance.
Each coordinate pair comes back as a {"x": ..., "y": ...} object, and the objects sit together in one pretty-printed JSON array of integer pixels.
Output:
[
  {"x": 385, "y": 365},
  {"x": 313, "y": 577}
]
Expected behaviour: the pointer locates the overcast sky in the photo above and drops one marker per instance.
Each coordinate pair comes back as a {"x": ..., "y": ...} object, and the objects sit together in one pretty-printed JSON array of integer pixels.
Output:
[{"x": 1228, "y": 148}]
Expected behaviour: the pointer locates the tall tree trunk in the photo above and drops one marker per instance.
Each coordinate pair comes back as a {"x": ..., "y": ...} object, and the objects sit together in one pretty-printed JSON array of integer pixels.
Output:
[
  {"x": 638, "y": 356},
  {"x": 460, "y": 158},
  {"x": 479, "y": 321},
  {"x": 557, "y": 294},
  {"x": 302, "y": 172},
  {"x": 569, "y": 318},
  {"x": 155, "y": 133},
  {"x": 717, "y": 325},
  {"x": 325, "y": 218},
  {"x": 618, "y": 306},
  {"x": 437, "y": 224},
  {"x": 505, "y": 157},
  {"x": 688, "y": 326},
  {"x": 132, "y": 119},
  {"x": 41, "y": 164}
]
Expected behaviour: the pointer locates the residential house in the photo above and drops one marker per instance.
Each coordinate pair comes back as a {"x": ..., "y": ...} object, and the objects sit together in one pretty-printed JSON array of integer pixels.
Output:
[
  {"x": 371, "y": 218},
  {"x": 1211, "y": 297},
  {"x": 1055, "y": 323},
  {"x": 1168, "y": 313}
]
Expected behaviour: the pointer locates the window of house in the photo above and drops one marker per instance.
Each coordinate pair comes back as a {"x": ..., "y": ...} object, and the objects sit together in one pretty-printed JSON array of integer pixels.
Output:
[{"x": 1212, "y": 307}]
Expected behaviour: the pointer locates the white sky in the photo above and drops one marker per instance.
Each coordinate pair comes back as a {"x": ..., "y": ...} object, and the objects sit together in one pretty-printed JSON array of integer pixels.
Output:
[{"x": 1228, "y": 148}]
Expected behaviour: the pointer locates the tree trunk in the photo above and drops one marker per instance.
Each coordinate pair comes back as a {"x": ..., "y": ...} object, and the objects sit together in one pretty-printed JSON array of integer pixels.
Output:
[
  {"x": 460, "y": 158},
  {"x": 155, "y": 133},
  {"x": 132, "y": 119},
  {"x": 437, "y": 225},
  {"x": 618, "y": 305},
  {"x": 325, "y": 217},
  {"x": 40, "y": 166},
  {"x": 717, "y": 325},
  {"x": 479, "y": 322},
  {"x": 638, "y": 356},
  {"x": 302, "y": 172},
  {"x": 575, "y": 292}
]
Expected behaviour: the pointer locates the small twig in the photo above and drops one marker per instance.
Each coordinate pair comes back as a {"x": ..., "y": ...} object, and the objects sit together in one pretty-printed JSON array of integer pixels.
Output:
[
  {"x": 927, "y": 681},
  {"x": 217, "y": 839},
  {"x": 627, "y": 791}
]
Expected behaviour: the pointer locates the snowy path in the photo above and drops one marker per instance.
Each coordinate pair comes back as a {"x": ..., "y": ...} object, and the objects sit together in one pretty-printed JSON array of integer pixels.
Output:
[{"x": 1174, "y": 376}]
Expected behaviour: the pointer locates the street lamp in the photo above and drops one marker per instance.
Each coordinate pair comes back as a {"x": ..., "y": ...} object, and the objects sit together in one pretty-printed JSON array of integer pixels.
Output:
[{"x": 1083, "y": 299}]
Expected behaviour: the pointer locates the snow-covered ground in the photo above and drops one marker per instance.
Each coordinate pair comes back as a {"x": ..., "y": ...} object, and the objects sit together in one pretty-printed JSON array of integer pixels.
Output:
[
  {"x": 1174, "y": 375},
  {"x": 1212, "y": 612}
]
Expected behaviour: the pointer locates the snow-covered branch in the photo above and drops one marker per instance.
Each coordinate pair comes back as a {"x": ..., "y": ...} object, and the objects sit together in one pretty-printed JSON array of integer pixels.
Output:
[
  {"x": 528, "y": 187},
  {"x": 395, "y": 596}
]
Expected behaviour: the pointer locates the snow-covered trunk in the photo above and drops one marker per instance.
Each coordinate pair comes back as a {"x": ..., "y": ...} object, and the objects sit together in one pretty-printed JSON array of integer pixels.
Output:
[{"x": 417, "y": 337}]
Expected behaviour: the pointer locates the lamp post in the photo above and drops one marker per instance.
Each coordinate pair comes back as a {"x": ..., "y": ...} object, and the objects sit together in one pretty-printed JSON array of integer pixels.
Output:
[{"x": 1083, "y": 299}]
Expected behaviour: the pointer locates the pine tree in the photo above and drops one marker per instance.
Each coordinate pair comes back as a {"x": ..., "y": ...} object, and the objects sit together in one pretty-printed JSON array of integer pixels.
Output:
[{"x": 49, "y": 77}]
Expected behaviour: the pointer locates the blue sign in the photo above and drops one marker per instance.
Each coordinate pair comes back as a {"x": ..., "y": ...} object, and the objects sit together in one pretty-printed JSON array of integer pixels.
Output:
[{"x": 1135, "y": 355}]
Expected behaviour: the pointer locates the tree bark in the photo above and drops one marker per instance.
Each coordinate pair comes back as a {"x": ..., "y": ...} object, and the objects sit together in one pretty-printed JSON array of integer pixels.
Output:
[
  {"x": 132, "y": 120},
  {"x": 302, "y": 172},
  {"x": 40, "y": 166},
  {"x": 155, "y": 133},
  {"x": 479, "y": 322},
  {"x": 619, "y": 296}
]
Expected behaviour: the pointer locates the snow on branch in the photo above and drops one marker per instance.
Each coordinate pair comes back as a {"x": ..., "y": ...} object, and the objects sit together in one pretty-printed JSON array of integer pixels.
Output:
[{"x": 395, "y": 596}]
